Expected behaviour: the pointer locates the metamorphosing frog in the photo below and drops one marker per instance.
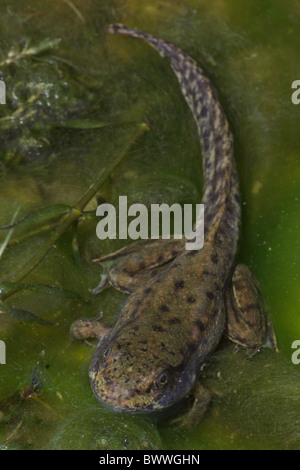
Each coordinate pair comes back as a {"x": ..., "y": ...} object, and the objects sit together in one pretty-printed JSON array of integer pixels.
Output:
[{"x": 181, "y": 301}]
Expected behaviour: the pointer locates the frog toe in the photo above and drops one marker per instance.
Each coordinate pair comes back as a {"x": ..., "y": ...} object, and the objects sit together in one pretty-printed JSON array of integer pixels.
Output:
[{"x": 102, "y": 284}]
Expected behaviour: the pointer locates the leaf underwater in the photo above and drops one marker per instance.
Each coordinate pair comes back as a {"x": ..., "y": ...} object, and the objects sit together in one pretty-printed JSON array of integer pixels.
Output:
[
  {"x": 34, "y": 220},
  {"x": 6, "y": 287},
  {"x": 23, "y": 315}
]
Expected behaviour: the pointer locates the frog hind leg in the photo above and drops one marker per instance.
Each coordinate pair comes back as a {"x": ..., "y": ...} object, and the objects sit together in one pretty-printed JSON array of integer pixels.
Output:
[
  {"x": 247, "y": 323},
  {"x": 135, "y": 264}
]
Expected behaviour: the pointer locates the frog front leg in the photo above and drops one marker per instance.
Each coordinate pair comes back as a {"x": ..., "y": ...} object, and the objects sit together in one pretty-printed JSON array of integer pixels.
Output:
[
  {"x": 127, "y": 269},
  {"x": 83, "y": 328},
  {"x": 201, "y": 397},
  {"x": 135, "y": 264},
  {"x": 248, "y": 324}
]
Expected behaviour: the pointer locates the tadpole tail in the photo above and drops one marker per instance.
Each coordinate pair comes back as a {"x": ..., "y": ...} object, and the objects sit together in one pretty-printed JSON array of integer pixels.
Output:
[{"x": 215, "y": 135}]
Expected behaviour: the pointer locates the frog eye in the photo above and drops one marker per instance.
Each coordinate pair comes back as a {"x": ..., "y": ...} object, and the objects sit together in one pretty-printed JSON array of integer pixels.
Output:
[{"x": 161, "y": 380}]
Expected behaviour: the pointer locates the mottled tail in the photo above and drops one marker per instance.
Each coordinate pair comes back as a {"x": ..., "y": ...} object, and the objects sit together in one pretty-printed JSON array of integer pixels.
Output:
[{"x": 215, "y": 135}]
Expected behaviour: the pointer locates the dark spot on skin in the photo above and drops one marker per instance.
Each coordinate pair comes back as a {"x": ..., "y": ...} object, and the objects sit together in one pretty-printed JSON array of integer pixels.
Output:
[
  {"x": 210, "y": 295},
  {"x": 204, "y": 111},
  {"x": 250, "y": 307},
  {"x": 174, "y": 321},
  {"x": 214, "y": 258},
  {"x": 158, "y": 328},
  {"x": 213, "y": 198},
  {"x": 222, "y": 232},
  {"x": 179, "y": 284},
  {"x": 207, "y": 164},
  {"x": 221, "y": 175},
  {"x": 191, "y": 300},
  {"x": 200, "y": 325},
  {"x": 192, "y": 347},
  {"x": 192, "y": 75},
  {"x": 237, "y": 198},
  {"x": 141, "y": 265},
  {"x": 218, "y": 138},
  {"x": 229, "y": 209},
  {"x": 148, "y": 290},
  {"x": 134, "y": 312},
  {"x": 208, "y": 219},
  {"x": 164, "y": 308},
  {"x": 206, "y": 139}
]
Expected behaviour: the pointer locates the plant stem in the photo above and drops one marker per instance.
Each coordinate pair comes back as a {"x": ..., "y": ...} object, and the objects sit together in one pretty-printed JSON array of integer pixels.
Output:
[{"x": 76, "y": 212}]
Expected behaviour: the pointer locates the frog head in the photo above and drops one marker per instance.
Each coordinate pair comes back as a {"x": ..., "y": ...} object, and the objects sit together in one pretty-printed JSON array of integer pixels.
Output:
[{"x": 132, "y": 374}]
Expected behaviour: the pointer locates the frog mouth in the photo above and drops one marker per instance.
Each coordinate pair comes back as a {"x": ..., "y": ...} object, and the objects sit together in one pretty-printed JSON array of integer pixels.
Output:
[{"x": 123, "y": 399}]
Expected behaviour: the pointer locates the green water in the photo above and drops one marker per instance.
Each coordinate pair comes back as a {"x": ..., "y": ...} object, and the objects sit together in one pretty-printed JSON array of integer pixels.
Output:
[{"x": 77, "y": 102}]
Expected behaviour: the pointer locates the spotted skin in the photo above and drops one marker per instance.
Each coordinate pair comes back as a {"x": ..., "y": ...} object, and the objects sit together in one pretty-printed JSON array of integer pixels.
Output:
[{"x": 175, "y": 315}]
